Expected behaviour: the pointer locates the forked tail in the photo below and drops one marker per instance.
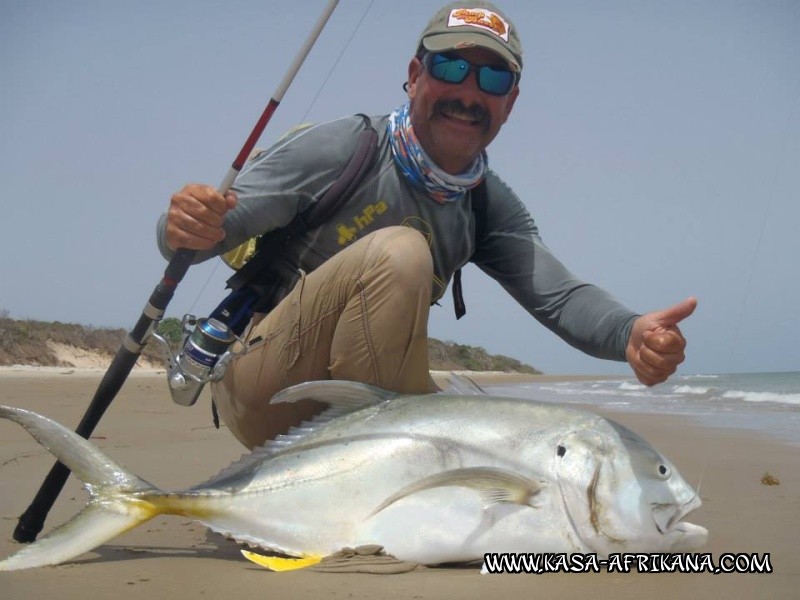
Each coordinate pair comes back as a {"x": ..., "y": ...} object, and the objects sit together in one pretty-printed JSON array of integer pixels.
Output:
[{"x": 119, "y": 500}]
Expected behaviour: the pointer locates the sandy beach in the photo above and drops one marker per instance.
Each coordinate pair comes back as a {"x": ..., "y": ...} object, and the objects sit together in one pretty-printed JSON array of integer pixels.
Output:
[{"x": 174, "y": 446}]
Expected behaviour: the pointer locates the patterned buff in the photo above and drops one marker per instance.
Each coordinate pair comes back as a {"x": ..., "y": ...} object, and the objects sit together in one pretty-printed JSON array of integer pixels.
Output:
[{"x": 420, "y": 169}]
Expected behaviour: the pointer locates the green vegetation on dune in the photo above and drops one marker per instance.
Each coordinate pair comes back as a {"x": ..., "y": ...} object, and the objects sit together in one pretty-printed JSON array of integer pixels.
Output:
[
  {"x": 449, "y": 356},
  {"x": 25, "y": 342}
]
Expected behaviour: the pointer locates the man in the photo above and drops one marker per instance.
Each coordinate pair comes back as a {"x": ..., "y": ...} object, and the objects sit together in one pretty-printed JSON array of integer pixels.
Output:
[{"x": 362, "y": 283}]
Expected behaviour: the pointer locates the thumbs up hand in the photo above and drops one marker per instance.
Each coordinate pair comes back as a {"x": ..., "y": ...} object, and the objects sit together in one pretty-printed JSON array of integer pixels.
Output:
[{"x": 656, "y": 345}]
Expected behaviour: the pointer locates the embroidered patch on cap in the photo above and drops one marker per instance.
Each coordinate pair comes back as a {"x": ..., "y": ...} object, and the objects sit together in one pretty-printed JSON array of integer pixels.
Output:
[{"x": 483, "y": 19}]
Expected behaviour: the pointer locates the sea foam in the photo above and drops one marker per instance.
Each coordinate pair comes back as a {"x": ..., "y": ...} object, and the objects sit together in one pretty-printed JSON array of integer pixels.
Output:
[{"x": 762, "y": 397}]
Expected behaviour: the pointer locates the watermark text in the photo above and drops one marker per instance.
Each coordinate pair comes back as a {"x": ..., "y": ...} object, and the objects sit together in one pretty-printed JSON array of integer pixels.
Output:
[{"x": 626, "y": 563}]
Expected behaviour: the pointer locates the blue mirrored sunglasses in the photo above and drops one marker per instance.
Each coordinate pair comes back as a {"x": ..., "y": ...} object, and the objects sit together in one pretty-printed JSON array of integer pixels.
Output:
[{"x": 448, "y": 68}]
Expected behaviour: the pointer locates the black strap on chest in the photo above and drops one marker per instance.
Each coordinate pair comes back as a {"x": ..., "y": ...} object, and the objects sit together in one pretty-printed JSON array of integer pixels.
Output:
[{"x": 479, "y": 200}]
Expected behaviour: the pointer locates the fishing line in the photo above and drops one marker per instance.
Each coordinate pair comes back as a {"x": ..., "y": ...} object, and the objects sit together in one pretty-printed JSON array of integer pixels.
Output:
[
  {"x": 778, "y": 170},
  {"x": 759, "y": 240},
  {"x": 205, "y": 285},
  {"x": 320, "y": 89},
  {"x": 702, "y": 476},
  {"x": 338, "y": 58}
]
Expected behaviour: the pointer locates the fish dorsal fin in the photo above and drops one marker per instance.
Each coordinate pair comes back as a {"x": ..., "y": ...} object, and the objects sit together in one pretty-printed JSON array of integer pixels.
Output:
[
  {"x": 343, "y": 397},
  {"x": 495, "y": 486},
  {"x": 281, "y": 442},
  {"x": 298, "y": 433},
  {"x": 338, "y": 394},
  {"x": 458, "y": 383}
]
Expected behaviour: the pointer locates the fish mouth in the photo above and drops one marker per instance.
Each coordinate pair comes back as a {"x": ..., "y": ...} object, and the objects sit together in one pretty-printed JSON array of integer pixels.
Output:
[
  {"x": 668, "y": 517},
  {"x": 679, "y": 535}
]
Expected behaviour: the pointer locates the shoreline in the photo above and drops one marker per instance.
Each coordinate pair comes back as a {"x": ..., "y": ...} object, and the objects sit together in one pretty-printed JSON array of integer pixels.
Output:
[
  {"x": 171, "y": 557},
  {"x": 493, "y": 382},
  {"x": 9, "y": 371},
  {"x": 505, "y": 378},
  {"x": 484, "y": 376}
]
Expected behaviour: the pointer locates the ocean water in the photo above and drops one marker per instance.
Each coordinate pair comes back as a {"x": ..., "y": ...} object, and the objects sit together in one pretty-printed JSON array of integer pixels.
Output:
[{"x": 765, "y": 402}]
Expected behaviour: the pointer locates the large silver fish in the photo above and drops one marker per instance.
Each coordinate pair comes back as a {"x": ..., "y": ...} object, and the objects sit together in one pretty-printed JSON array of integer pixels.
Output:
[{"x": 433, "y": 479}]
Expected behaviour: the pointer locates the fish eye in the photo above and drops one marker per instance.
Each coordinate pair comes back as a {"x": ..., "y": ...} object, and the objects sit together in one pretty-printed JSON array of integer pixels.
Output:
[
  {"x": 561, "y": 450},
  {"x": 663, "y": 471}
]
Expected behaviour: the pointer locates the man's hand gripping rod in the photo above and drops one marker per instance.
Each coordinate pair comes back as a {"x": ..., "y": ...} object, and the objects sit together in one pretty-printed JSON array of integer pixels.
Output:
[{"x": 32, "y": 520}]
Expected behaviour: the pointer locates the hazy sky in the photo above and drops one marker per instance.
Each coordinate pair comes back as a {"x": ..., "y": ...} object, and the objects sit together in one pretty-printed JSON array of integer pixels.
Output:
[{"x": 656, "y": 144}]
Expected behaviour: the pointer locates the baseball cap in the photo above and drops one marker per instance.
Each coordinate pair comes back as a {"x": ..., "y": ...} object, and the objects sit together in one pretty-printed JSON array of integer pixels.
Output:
[{"x": 468, "y": 24}]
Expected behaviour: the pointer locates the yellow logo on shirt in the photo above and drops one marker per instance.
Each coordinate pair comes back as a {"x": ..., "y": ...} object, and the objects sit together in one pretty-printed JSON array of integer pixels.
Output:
[
  {"x": 362, "y": 221},
  {"x": 346, "y": 234}
]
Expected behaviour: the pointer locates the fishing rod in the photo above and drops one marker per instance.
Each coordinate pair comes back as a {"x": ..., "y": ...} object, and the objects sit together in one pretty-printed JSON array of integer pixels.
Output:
[{"x": 32, "y": 520}]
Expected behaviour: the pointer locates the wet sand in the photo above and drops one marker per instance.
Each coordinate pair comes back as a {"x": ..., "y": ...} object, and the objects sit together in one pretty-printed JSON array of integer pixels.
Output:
[{"x": 170, "y": 557}]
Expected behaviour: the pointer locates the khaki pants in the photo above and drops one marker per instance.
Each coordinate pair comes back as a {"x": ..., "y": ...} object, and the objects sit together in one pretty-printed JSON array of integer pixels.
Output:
[{"x": 361, "y": 316}]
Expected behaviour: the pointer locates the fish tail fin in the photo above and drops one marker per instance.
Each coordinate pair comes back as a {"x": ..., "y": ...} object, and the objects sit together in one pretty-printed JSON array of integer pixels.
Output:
[{"x": 119, "y": 500}]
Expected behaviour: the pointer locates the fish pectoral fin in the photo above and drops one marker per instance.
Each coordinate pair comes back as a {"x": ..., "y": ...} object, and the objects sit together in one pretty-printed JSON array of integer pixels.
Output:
[
  {"x": 495, "y": 486},
  {"x": 275, "y": 563},
  {"x": 499, "y": 495}
]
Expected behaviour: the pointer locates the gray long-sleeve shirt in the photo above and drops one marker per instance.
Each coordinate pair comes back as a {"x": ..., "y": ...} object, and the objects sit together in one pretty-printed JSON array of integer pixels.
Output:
[{"x": 297, "y": 170}]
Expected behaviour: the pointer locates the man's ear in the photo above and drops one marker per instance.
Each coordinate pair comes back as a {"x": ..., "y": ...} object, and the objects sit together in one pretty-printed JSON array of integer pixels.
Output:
[
  {"x": 415, "y": 68},
  {"x": 512, "y": 98}
]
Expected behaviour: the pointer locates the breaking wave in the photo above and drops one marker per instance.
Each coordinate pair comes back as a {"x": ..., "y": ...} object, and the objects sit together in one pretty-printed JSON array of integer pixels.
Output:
[
  {"x": 762, "y": 397},
  {"x": 632, "y": 387},
  {"x": 691, "y": 390}
]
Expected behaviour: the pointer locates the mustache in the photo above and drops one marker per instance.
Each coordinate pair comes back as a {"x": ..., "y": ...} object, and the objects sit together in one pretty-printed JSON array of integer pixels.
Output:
[{"x": 474, "y": 112}]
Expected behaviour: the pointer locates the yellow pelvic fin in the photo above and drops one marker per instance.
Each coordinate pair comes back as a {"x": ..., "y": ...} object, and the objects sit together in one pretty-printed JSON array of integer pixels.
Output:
[{"x": 273, "y": 563}]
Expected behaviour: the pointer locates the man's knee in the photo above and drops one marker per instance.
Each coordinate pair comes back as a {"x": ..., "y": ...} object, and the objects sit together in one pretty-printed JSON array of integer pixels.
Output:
[{"x": 404, "y": 255}]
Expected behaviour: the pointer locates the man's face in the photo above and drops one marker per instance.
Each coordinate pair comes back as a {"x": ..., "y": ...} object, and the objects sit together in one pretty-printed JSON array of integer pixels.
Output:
[{"x": 456, "y": 122}]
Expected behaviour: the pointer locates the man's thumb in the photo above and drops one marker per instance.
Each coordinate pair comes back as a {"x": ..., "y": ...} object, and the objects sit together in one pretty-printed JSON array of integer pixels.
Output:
[{"x": 677, "y": 313}]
